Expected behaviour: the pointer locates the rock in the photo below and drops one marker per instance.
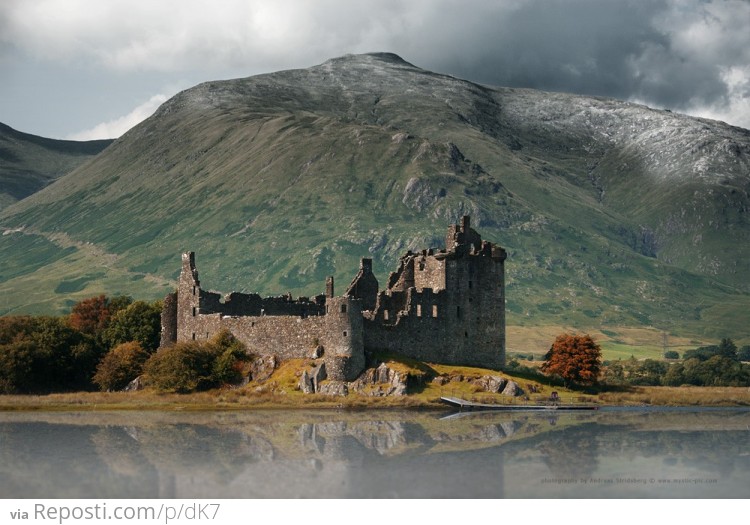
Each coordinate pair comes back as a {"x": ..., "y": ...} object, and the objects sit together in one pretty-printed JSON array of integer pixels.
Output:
[
  {"x": 263, "y": 367},
  {"x": 440, "y": 380},
  {"x": 317, "y": 352},
  {"x": 306, "y": 383},
  {"x": 383, "y": 374},
  {"x": 333, "y": 388},
  {"x": 492, "y": 384},
  {"x": 134, "y": 385},
  {"x": 388, "y": 382},
  {"x": 512, "y": 389},
  {"x": 318, "y": 375}
]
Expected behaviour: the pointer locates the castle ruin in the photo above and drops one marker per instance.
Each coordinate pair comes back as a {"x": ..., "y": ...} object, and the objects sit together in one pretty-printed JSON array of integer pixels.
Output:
[{"x": 445, "y": 306}]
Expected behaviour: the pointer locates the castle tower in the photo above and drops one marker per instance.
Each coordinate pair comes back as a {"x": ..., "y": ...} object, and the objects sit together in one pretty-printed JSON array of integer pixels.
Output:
[{"x": 344, "y": 338}]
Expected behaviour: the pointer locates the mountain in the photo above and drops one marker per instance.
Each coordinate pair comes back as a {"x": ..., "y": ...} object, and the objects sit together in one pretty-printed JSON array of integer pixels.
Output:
[
  {"x": 29, "y": 163},
  {"x": 613, "y": 213}
]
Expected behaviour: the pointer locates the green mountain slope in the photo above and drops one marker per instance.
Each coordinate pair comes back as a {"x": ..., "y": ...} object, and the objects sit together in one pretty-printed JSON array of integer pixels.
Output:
[
  {"x": 613, "y": 213},
  {"x": 29, "y": 163}
]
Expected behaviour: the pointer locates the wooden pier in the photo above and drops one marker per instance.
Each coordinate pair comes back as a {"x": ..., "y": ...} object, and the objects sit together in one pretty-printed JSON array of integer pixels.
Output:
[{"x": 463, "y": 404}]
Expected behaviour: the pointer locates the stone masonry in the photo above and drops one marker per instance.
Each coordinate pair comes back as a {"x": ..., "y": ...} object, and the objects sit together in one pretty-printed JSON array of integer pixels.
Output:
[{"x": 445, "y": 306}]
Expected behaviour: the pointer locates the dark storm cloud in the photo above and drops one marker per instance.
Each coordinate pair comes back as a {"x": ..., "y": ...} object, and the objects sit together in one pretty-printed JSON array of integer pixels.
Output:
[{"x": 670, "y": 54}]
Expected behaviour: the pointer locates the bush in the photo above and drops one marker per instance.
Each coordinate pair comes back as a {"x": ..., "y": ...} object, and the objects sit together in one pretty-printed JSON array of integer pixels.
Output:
[
  {"x": 189, "y": 366},
  {"x": 120, "y": 366},
  {"x": 671, "y": 354},
  {"x": 743, "y": 354}
]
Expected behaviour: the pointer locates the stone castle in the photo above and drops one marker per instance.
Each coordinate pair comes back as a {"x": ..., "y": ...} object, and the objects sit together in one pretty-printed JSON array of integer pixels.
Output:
[{"x": 445, "y": 306}]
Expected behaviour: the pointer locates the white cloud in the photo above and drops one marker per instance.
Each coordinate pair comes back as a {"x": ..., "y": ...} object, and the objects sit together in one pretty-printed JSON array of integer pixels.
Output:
[
  {"x": 736, "y": 109},
  {"x": 117, "y": 127},
  {"x": 170, "y": 35},
  {"x": 679, "y": 54}
]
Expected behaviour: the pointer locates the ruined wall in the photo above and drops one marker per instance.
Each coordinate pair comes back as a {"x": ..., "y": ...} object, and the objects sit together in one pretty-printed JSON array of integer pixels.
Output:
[
  {"x": 286, "y": 337},
  {"x": 445, "y": 307},
  {"x": 279, "y": 326},
  {"x": 364, "y": 286},
  {"x": 169, "y": 321}
]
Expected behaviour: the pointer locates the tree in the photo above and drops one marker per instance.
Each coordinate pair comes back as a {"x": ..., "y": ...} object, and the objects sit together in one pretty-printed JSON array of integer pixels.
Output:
[
  {"x": 91, "y": 316},
  {"x": 44, "y": 354},
  {"x": 140, "y": 321},
  {"x": 743, "y": 354},
  {"x": 575, "y": 358},
  {"x": 671, "y": 354},
  {"x": 120, "y": 366},
  {"x": 727, "y": 349}
]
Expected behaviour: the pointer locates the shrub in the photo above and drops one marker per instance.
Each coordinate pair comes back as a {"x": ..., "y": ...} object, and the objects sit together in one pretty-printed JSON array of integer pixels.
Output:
[
  {"x": 671, "y": 354},
  {"x": 120, "y": 366},
  {"x": 185, "y": 367}
]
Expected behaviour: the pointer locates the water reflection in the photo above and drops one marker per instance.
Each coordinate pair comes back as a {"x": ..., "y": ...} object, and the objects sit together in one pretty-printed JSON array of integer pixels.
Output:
[{"x": 618, "y": 453}]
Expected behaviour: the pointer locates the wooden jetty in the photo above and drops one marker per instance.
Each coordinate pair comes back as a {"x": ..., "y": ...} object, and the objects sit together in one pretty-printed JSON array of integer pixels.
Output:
[{"x": 463, "y": 404}]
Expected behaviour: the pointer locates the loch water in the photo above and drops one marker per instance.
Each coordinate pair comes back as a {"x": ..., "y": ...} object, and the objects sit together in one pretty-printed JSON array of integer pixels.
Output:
[{"x": 609, "y": 453}]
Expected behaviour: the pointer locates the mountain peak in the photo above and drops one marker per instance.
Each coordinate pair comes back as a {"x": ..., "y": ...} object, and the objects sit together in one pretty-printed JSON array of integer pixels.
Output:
[{"x": 370, "y": 59}]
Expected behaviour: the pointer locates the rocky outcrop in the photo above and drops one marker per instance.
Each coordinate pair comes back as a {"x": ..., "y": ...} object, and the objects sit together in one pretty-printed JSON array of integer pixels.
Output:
[
  {"x": 493, "y": 384},
  {"x": 310, "y": 381},
  {"x": 263, "y": 367},
  {"x": 512, "y": 389},
  {"x": 305, "y": 383},
  {"x": 380, "y": 381},
  {"x": 333, "y": 388}
]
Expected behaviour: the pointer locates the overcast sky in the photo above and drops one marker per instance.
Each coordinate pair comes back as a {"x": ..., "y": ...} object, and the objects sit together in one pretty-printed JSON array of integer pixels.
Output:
[{"x": 87, "y": 69}]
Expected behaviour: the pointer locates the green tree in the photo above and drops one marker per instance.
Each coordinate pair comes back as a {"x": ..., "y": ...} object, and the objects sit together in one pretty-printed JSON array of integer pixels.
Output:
[
  {"x": 743, "y": 354},
  {"x": 575, "y": 358},
  {"x": 120, "y": 366},
  {"x": 671, "y": 354},
  {"x": 648, "y": 373},
  {"x": 139, "y": 321},
  {"x": 44, "y": 354},
  {"x": 727, "y": 349}
]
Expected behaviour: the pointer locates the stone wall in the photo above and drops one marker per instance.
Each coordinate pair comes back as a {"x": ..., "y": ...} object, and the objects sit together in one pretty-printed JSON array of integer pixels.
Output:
[{"x": 444, "y": 306}]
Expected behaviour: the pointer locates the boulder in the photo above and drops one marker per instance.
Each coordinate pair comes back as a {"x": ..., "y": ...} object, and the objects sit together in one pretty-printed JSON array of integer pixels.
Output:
[
  {"x": 380, "y": 381},
  {"x": 318, "y": 375},
  {"x": 263, "y": 367},
  {"x": 306, "y": 383},
  {"x": 440, "y": 380},
  {"x": 512, "y": 389},
  {"x": 492, "y": 384},
  {"x": 135, "y": 384},
  {"x": 333, "y": 388}
]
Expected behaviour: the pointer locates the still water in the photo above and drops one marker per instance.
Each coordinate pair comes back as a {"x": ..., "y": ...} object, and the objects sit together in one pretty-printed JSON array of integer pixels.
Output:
[{"x": 616, "y": 453}]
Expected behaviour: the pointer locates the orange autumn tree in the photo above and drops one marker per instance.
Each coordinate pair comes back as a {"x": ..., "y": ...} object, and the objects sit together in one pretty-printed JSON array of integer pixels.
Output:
[{"x": 575, "y": 358}]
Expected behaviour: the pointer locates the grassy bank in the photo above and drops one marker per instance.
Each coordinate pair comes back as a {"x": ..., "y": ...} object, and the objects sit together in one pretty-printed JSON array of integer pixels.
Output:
[{"x": 279, "y": 392}]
